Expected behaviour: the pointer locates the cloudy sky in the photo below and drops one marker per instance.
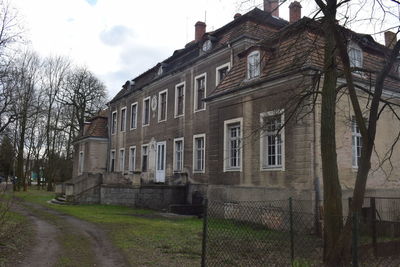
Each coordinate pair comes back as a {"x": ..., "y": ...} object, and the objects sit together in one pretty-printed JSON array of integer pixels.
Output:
[{"x": 120, "y": 39}]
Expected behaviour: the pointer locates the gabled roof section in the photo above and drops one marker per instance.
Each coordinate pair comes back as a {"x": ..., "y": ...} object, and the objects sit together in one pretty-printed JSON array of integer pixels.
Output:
[
  {"x": 96, "y": 126},
  {"x": 191, "y": 52}
]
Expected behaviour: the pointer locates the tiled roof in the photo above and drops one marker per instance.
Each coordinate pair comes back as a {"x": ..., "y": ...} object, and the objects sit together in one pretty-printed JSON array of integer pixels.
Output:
[
  {"x": 96, "y": 126},
  {"x": 292, "y": 49},
  {"x": 190, "y": 53}
]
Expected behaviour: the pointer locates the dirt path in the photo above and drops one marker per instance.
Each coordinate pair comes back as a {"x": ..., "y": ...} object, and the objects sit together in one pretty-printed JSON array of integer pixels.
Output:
[{"x": 63, "y": 240}]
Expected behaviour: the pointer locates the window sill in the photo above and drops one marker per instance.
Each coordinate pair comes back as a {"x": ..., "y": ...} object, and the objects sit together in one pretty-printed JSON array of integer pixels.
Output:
[
  {"x": 198, "y": 172},
  {"x": 162, "y": 121},
  {"x": 178, "y": 116},
  {"x": 133, "y": 128},
  {"x": 233, "y": 170},
  {"x": 198, "y": 110},
  {"x": 272, "y": 169},
  {"x": 145, "y": 125}
]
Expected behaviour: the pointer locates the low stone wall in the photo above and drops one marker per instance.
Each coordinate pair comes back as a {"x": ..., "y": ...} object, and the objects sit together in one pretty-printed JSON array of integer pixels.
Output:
[
  {"x": 118, "y": 195},
  {"x": 157, "y": 197}
]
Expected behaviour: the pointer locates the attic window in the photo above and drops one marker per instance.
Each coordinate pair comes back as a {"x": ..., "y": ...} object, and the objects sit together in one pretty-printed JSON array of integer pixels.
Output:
[
  {"x": 160, "y": 71},
  {"x": 355, "y": 56},
  {"x": 207, "y": 45},
  {"x": 253, "y": 65}
]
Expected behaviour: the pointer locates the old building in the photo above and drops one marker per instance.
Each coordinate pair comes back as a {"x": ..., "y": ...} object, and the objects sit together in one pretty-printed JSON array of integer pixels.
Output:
[{"x": 220, "y": 117}]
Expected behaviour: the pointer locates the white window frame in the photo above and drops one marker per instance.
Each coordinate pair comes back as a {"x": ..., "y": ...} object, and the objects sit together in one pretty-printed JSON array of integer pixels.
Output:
[
  {"x": 81, "y": 162},
  {"x": 265, "y": 167},
  {"x": 121, "y": 161},
  {"x": 114, "y": 128},
  {"x": 354, "y": 136},
  {"x": 141, "y": 158},
  {"x": 132, "y": 165},
  {"x": 217, "y": 81},
  {"x": 166, "y": 105},
  {"x": 194, "y": 153},
  {"x": 123, "y": 123},
  {"x": 143, "y": 111},
  {"x": 176, "y": 99},
  {"x": 252, "y": 54},
  {"x": 226, "y": 161},
  {"x": 112, "y": 151},
  {"x": 182, "y": 157},
  {"x": 196, "y": 89},
  {"x": 136, "y": 115},
  {"x": 355, "y": 47}
]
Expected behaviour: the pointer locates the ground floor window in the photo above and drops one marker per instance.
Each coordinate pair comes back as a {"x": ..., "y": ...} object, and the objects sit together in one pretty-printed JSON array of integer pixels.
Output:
[
  {"x": 199, "y": 152},
  {"x": 132, "y": 158},
  {"x": 81, "y": 159},
  {"x": 145, "y": 157},
  {"x": 112, "y": 161},
  {"x": 356, "y": 143},
  {"x": 232, "y": 144},
  {"x": 272, "y": 140},
  {"x": 121, "y": 160},
  {"x": 178, "y": 154}
]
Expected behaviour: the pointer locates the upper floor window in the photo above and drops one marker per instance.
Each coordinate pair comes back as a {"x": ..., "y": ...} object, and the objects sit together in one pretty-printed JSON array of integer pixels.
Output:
[
  {"x": 200, "y": 92},
  {"x": 355, "y": 56},
  {"x": 253, "y": 64},
  {"x": 134, "y": 108},
  {"x": 221, "y": 72},
  {"x": 123, "y": 119},
  {"x": 272, "y": 140},
  {"x": 232, "y": 144},
  {"x": 356, "y": 143},
  {"x": 114, "y": 122},
  {"x": 162, "y": 105},
  {"x": 146, "y": 111},
  {"x": 179, "y": 99},
  {"x": 199, "y": 148}
]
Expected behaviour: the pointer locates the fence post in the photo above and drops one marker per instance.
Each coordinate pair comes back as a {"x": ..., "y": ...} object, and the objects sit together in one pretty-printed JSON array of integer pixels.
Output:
[
  {"x": 354, "y": 235},
  {"x": 373, "y": 225},
  {"x": 205, "y": 228},
  {"x": 291, "y": 229}
]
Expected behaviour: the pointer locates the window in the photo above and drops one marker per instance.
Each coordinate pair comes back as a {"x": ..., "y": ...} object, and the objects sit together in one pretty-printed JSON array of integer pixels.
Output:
[
  {"x": 123, "y": 119},
  {"x": 221, "y": 72},
  {"x": 178, "y": 154},
  {"x": 146, "y": 111},
  {"x": 132, "y": 158},
  {"x": 114, "y": 122},
  {"x": 162, "y": 105},
  {"x": 356, "y": 143},
  {"x": 112, "y": 161},
  {"x": 200, "y": 92},
  {"x": 145, "y": 157},
  {"x": 134, "y": 115},
  {"x": 272, "y": 140},
  {"x": 232, "y": 144},
  {"x": 121, "y": 160},
  {"x": 179, "y": 99},
  {"x": 253, "y": 65},
  {"x": 355, "y": 56},
  {"x": 80, "y": 164},
  {"x": 199, "y": 153}
]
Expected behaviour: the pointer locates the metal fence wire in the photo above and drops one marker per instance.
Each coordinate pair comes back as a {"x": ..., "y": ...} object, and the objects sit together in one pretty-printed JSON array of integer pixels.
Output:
[{"x": 288, "y": 233}]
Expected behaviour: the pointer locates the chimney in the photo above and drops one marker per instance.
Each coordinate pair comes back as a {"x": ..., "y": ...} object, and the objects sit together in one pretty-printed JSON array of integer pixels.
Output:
[
  {"x": 390, "y": 39},
  {"x": 200, "y": 30},
  {"x": 294, "y": 11},
  {"x": 272, "y": 6},
  {"x": 237, "y": 15}
]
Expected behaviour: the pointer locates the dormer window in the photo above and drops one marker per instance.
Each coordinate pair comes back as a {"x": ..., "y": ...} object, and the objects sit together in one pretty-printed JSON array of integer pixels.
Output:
[
  {"x": 160, "y": 71},
  {"x": 207, "y": 45},
  {"x": 355, "y": 56},
  {"x": 253, "y": 65}
]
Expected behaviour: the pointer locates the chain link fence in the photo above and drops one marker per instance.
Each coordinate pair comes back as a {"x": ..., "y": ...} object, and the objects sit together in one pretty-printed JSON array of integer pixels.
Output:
[{"x": 289, "y": 233}]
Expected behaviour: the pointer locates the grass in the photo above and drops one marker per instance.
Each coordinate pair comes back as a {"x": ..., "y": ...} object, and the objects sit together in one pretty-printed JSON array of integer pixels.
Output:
[{"x": 146, "y": 238}]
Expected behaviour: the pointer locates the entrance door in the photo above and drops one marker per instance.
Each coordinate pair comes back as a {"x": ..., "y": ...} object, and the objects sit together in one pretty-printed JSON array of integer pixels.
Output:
[{"x": 160, "y": 162}]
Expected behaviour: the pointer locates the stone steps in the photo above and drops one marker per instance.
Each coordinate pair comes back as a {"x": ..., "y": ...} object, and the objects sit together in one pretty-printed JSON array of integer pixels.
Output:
[{"x": 60, "y": 200}]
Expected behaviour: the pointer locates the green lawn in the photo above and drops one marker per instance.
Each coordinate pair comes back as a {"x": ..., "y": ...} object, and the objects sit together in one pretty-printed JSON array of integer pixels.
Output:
[{"x": 147, "y": 238}]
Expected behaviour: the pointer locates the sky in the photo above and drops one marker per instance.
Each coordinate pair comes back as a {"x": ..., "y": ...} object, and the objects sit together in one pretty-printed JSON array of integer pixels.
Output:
[{"x": 120, "y": 39}]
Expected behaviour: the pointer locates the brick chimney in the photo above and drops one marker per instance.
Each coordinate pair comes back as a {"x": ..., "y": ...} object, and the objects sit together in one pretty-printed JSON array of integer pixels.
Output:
[
  {"x": 200, "y": 30},
  {"x": 237, "y": 15},
  {"x": 390, "y": 39},
  {"x": 272, "y": 6},
  {"x": 294, "y": 11}
]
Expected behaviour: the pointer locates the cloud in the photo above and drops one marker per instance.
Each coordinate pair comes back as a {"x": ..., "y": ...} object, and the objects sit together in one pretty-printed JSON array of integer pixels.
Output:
[
  {"x": 117, "y": 35},
  {"x": 91, "y": 2}
]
